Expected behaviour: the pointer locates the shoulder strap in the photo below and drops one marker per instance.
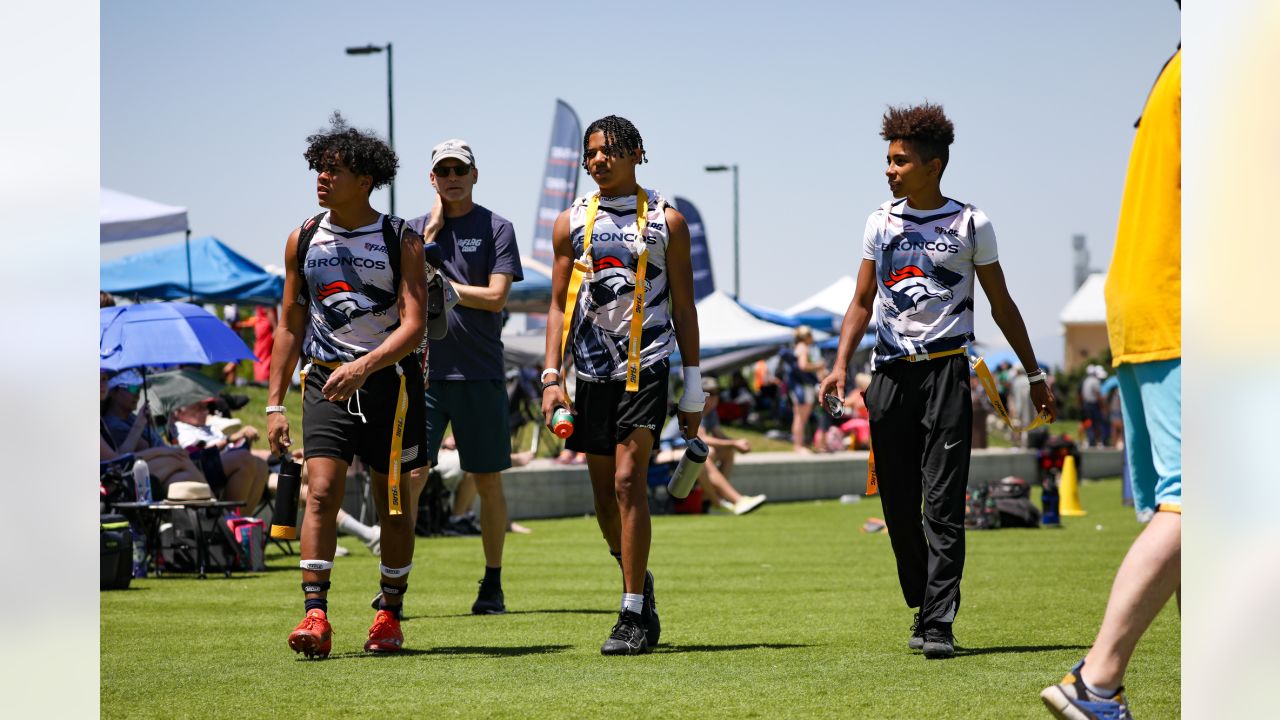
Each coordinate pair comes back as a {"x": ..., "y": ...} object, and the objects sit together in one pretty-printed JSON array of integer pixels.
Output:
[
  {"x": 307, "y": 231},
  {"x": 392, "y": 233}
]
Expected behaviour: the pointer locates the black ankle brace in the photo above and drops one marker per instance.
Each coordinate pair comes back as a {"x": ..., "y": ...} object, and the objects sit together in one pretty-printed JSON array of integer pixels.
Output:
[{"x": 315, "y": 587}]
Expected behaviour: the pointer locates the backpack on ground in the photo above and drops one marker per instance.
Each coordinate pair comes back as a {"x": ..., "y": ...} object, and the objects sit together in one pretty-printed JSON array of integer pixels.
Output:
[
  {"x": 980, "y": 511},
  {"x": 1013, "y": 502},
  {"x": 434, "y": 506}
]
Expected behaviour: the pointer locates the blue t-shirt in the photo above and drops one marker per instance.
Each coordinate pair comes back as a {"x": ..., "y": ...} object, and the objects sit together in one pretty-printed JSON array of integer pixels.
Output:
[{"x": 475, "y": 246}]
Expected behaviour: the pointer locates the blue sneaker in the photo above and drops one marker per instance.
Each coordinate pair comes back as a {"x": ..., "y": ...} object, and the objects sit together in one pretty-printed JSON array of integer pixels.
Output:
[{"x": 1071, "y": 700}]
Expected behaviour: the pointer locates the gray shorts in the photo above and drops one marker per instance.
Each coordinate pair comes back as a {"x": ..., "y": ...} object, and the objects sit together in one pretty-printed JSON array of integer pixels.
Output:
[{"x": 477, "y": 411}]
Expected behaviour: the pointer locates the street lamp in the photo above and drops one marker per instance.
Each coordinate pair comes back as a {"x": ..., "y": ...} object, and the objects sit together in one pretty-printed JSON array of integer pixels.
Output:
[
  {"x": 391, "y": 127},
  {"x": 734, "y": 168}
]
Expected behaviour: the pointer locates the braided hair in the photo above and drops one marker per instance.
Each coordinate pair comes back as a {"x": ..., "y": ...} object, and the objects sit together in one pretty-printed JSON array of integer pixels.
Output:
[
  {"x": 925, "y": 126},
  {"x": 620, "y": 138},
  {"x": 363, "y": 152}
]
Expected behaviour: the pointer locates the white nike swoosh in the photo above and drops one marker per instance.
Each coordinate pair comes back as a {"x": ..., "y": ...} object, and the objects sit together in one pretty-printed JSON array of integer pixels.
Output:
[{"x": 948, "y": 446}]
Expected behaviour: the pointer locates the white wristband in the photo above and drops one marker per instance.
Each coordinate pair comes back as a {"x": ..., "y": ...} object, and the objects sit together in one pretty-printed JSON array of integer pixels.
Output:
[
  {"x": 275, "y": 409},
  {"x": 693, "y": 399},
  {"x": 1036, "y": 377},
  {"x": 549, "y": 371}
]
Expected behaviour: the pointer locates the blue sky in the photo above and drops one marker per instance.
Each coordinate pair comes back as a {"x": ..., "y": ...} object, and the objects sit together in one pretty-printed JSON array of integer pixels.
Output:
[{"x": 207, "y": 106}]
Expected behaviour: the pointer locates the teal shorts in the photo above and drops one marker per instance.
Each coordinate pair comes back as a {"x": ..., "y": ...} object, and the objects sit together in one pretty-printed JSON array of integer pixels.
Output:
[
  {"x": 477, "y": 412},
  {"x": 1151, "y": 395}
]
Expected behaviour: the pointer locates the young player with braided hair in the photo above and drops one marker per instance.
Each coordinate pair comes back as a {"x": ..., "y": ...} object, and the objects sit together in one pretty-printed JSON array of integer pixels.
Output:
[
  {"x": 621, "y": 301},
  {"x": 920, "y": 254},
  {"x": 357, "y": 319}
]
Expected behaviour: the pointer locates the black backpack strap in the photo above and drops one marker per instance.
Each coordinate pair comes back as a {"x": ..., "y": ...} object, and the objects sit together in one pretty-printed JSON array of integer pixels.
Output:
[
  {"x": 392, "y": 232},
  {"x": 306, "y": 232}
]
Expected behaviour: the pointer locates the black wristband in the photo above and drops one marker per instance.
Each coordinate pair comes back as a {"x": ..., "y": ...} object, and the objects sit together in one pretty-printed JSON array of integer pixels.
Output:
[{"x": 550, "y": 384}]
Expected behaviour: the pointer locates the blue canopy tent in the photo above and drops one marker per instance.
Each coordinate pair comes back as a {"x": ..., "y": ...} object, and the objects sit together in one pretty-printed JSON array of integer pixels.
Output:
[
  {"x": 533, "y": 293},
  {"x": 218, "y": 274},
  {"x": 819, "y": 320}
]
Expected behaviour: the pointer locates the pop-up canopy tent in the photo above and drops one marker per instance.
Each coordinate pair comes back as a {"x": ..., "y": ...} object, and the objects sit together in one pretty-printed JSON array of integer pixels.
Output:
[
  {"x": 125, "y": 217},
  {"x": 533, "y": 293},
  {"x": 218, "y": 274}
]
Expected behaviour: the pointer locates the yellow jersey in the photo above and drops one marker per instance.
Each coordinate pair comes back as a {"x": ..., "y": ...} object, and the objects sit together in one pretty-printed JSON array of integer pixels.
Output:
[{"x": 1144, "y": 283}]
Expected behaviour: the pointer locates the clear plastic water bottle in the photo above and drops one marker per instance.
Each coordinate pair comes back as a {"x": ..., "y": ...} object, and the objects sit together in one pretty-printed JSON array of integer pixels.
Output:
[
  {"x": 139, "y": 552},
  {"x": 142, "y": 481}
]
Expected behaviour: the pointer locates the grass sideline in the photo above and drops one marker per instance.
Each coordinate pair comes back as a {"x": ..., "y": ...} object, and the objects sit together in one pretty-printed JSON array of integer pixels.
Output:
[{"x": 787, "y": 612}]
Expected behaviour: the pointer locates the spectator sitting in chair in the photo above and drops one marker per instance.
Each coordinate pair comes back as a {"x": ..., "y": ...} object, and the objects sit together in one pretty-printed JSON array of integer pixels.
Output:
[
  {"x": 124, "y": 431},
  {"x": 245, "y": 473}
]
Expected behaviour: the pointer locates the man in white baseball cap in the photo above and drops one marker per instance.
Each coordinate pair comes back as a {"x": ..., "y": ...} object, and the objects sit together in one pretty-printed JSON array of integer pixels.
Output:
[{"x": 466, "y": 378}]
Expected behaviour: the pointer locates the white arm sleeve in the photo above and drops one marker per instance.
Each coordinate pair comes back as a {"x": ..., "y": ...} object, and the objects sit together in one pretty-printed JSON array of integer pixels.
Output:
[{"x": 984, "y": 239}]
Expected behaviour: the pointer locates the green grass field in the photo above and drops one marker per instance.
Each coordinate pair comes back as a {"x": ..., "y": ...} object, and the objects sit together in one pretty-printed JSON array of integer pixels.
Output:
[{"x": 788, "y": 612}]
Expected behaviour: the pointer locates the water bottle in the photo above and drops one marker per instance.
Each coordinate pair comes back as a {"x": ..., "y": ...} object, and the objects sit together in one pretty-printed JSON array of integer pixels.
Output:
[
  {"x": 284, "y": 521},
  {"x": 686, "y": 474},
  {"x": 142, "y": 481},
  {"x": 139, "y": 552},
  {"x": 562, "y": 422}
]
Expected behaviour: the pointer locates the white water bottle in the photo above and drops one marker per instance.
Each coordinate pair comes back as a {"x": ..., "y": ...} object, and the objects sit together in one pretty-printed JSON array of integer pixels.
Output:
[{"x": 686, "y": 473}]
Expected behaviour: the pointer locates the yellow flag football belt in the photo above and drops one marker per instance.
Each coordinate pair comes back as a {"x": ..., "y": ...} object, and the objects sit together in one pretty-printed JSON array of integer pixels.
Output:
[
  {"x": 394, "y": 500},
  {"x": 582, "y": 266},
  {"x": 993, "y": 394}
]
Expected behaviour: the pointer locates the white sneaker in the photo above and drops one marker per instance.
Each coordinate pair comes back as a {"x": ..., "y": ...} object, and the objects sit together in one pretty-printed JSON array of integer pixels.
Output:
[
  {"x": 375, "y": 543},
  {"x": 341, "y": 552},
  {"x": 748, "y": 503},
  {"x": 726, "y": 505}
]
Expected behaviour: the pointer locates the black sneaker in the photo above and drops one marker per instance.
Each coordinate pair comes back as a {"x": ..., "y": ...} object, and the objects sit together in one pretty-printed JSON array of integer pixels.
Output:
[
  {"x": 489, "y": 600},
  {"x": 917, "y": 634},
  {"x": 939, "y": 644},
  {"x": 627, "y": 637},
  {"x": 652, "y": 625}
]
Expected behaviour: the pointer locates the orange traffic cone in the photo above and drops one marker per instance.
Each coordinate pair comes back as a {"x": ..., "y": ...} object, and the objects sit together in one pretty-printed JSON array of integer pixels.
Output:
[{"x": 1070, "y": 489}]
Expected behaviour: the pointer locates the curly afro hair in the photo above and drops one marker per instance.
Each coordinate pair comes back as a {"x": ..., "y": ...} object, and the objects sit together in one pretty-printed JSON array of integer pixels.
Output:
[
  {"x": 363, "y": 152},
  {"x": 620, "y": 137},
  {"x": 925, "y": 126}
]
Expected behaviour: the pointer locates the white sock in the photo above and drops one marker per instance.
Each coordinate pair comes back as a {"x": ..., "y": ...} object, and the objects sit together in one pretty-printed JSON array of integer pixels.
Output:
[
  {"x": 634, "y": 603},
  {"x": 352, "y": 526}
]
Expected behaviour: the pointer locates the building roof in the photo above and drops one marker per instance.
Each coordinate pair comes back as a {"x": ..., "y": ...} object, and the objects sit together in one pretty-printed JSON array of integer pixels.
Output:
[{"x": 1089, "y": 305}]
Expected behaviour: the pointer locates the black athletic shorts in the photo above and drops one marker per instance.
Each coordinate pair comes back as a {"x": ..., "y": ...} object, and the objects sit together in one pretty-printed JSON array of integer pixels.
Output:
[
  {"x": 607, "y": 413},
  {"x": 333, "y": 429}
]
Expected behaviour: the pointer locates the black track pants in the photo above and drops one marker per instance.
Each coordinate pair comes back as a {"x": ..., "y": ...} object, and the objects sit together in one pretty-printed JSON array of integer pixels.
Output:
[{"x": 921, "y": 430}]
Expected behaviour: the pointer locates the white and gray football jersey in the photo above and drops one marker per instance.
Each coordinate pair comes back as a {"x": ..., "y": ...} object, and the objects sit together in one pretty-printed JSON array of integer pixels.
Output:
[{"x": 925, "y": 264}]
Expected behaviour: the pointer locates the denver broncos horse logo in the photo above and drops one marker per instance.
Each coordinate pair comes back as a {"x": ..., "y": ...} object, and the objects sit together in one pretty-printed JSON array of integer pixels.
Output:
[
  {"x": 339, "y": 296},
  {"x": 916, "y": 285}
]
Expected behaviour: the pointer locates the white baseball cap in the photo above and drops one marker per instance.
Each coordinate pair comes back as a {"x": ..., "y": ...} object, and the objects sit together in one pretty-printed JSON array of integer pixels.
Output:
[{"x": 455, "y": 148}]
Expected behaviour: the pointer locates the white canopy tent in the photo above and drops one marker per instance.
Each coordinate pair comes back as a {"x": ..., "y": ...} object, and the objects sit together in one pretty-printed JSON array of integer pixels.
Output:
[
  {"x": 833, "y": 299},
  {"x": 723, "y": 324},
  {"x": 125, "y": 217},
  {"x": 1084, "y": 322}
]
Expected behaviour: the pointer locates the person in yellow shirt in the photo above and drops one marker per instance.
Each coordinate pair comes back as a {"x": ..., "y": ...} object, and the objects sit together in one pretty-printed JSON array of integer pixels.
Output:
[{"x": 1144, "y": 321}]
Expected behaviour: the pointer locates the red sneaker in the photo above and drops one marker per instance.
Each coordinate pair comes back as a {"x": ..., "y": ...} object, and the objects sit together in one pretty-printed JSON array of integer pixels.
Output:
[
  {"x": 385, "y": 635},
  {"x": 313, "y": 637}
]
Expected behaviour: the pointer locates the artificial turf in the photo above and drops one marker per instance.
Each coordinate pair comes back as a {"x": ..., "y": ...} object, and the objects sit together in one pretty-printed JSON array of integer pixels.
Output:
[{"x": 789, "y": 612}]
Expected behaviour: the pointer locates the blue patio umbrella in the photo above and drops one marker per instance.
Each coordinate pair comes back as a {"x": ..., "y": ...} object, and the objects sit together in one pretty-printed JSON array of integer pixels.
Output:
[{"x": 168, "y": 333}]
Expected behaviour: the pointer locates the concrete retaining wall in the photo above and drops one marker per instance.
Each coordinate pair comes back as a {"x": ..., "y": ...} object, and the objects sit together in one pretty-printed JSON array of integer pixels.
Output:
[{"x": 544, "y": 489}]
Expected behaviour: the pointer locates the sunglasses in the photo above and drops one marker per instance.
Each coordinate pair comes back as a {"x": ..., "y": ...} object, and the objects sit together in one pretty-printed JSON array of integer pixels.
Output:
[{"x": 458, "y": 170}]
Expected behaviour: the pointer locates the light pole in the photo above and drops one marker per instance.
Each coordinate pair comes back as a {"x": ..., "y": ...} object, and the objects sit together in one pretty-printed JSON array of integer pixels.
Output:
[
  {"x": 734, "y": 168},
  {"x": 391, "y": 126}
]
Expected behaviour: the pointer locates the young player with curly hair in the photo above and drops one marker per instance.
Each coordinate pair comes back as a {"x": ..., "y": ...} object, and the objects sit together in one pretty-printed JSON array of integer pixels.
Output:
[
  {"x": 622, "y": 270},
  {"x": 357, "y": 319},
  {"x": 920, "y": 254}
]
